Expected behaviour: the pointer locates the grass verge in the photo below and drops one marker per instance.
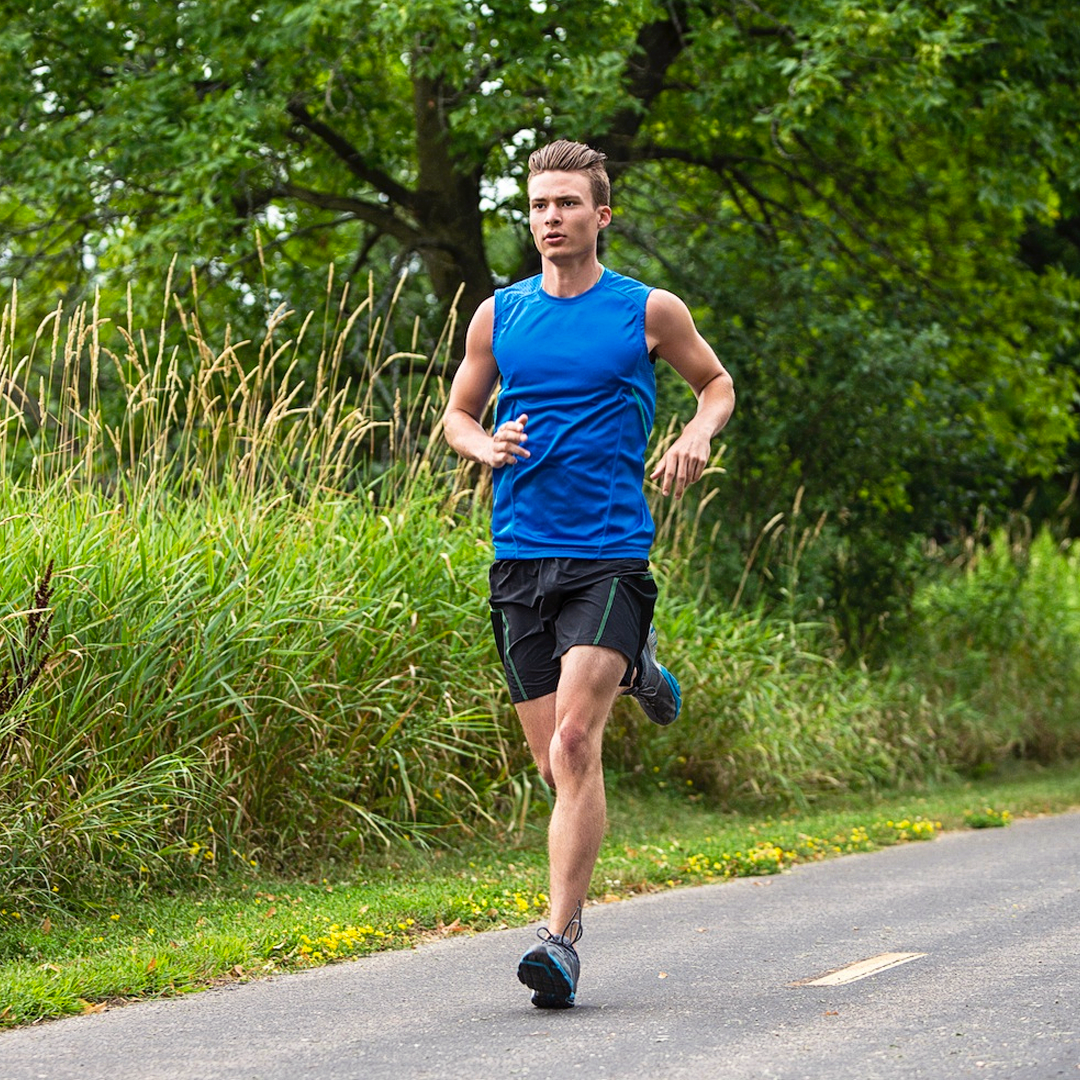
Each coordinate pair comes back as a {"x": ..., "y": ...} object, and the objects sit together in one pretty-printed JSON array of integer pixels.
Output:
[{"x": 237, "y": 927}]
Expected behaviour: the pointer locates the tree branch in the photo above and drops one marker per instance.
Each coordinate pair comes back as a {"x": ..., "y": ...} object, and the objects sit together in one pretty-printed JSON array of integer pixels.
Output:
[
  {"x": 381, "y": 217},
  {"x": 351, "y": 156},
  {"x": 656, "y": 48},
  {"x": 724, "y": 165}
]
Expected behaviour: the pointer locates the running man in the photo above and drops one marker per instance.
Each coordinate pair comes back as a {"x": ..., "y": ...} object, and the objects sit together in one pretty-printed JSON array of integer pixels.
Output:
[{"x": 572, "y": 597}]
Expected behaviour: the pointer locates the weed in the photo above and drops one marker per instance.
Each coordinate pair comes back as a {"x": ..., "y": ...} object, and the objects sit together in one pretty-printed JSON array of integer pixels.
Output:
[
  {"x": 28, "y": 657},
  {"x": 987, "y": 818}
]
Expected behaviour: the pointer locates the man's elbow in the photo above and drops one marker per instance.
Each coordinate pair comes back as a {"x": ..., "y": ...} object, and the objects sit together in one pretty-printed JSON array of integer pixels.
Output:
[
  {"x": 450, "y": 426},
  {"x": 456, "y": 425},
  {"x": 720, "y": 385}
]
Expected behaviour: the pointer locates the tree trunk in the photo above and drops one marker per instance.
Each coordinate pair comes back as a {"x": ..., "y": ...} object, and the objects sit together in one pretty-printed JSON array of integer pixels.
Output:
[{"x": 447, "y": 210}]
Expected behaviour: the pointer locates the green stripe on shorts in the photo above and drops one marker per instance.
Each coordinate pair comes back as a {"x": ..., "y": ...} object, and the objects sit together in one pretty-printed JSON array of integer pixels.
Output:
[
  {"x": 509, "y": 660},
  {"x": 607, "y": 610}
]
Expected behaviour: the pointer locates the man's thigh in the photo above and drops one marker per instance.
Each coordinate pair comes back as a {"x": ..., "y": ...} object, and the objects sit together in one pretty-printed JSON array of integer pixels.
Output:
[{"x": 591, "y": 680}]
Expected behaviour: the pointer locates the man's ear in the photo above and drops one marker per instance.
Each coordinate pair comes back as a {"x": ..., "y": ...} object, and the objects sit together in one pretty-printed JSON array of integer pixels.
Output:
[{"x": 604, "y": 216}]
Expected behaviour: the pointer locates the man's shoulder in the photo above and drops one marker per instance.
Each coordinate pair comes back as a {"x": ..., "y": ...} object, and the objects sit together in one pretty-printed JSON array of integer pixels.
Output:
[
  {"x": 626, "y": 285},
  {"x": 526, "y": 287}
]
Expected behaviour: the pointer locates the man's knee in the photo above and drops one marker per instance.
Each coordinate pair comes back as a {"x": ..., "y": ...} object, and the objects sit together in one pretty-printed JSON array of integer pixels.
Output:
[{"x": 574, "y": 750}]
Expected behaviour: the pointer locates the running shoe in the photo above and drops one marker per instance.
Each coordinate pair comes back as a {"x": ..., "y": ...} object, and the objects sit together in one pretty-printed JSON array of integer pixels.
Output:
[
  {"x": 655, "y": 688},
  {"x": 550, "y": 970}
]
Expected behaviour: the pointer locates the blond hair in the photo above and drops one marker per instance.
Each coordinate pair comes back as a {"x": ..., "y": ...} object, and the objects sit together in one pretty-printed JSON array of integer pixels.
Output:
[{"x": 565, "y": 156}]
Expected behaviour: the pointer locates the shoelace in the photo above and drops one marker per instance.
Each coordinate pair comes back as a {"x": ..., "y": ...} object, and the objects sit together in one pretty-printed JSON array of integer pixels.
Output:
[
  {"x": 649, "y": 693},
  {"x": 570, "y": 935}
]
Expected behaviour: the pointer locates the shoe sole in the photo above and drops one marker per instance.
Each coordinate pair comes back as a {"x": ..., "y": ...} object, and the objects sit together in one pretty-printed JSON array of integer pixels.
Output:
[
  {"x": 546, "y": 1001},
  {"x": 552, "y": 987},
  {"x": 673, "y": 685}
]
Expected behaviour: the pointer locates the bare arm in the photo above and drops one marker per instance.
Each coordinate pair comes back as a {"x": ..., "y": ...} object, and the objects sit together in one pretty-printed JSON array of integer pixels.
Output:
[
  {"x": 469, "y": 394},
  {"x": 670, "y": 330}
]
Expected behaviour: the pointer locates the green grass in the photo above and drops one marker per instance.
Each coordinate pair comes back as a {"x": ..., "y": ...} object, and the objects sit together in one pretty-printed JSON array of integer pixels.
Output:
[
  {"x": 251, "y": 716},
  {"x": 236, "y": 923},
  {"x": 256, "y": 668},
  {"x": 265, "y": 608},
  {"x": 268, "y": 635}
]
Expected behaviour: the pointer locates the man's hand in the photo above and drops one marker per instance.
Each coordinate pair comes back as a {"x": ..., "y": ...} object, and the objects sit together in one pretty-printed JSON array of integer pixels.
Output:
[
  {"x": 684, "y": 462},
  {"x": 507, "y": 444}
]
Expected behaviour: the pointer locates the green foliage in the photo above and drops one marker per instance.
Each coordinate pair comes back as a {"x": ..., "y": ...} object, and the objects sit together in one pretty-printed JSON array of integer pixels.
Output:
[
  {"x": 872, "y": 208},
  {"x": 289, "y": 676},
  {"x": 853, "y": 246},
  {"x": 28, "y": 656},
  {"x": 771, "y": 717},
  {"x": 255, "y": 630},
  {"x": 987, "y": 818},
  {"x": 1008, "y": 618},
  {"x": 350, "y": 131},
  {"x": 268, "y": 647}
]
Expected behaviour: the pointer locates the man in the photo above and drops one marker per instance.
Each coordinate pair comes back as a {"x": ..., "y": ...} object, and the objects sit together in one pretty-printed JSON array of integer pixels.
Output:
[{"x": 571, "y": 593}]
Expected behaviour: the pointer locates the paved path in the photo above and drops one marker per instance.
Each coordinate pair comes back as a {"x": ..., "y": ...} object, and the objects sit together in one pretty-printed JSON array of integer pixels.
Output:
[{"x": 696, "y": 983}]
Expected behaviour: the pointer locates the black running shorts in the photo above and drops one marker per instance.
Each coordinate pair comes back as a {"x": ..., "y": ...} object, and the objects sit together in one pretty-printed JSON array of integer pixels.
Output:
[{"x": 542, "y": 607}]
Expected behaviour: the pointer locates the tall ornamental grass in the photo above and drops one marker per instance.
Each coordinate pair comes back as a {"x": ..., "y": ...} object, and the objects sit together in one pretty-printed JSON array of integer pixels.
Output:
[
  {"x": 772, "y": 710},
  {"x": 987, "y": 672},
  {"x": 243, "y": 619},
  {"x": 263, "y": 637}
]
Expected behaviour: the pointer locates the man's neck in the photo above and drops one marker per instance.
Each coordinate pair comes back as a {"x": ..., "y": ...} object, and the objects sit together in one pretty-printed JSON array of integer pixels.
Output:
[{"x": 565, "y": 281}]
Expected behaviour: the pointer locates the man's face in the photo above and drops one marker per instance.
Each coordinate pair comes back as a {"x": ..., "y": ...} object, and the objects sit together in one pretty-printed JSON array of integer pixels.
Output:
[{"x": 562, "y": 218}]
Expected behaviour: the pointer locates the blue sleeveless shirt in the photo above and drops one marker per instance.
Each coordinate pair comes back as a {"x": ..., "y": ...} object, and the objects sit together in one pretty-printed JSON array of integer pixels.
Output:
[{"x": 580, "y": 367}]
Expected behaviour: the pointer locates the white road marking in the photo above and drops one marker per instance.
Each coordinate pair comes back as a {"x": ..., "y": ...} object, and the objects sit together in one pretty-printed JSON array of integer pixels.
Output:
[{"x": 861, "y": 969}]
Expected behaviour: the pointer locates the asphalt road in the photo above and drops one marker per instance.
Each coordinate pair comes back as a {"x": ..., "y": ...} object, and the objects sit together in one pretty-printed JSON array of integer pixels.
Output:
[{"x": 708, "y": 982}]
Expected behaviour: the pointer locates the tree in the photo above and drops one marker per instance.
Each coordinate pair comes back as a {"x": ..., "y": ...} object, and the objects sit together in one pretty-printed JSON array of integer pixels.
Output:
[
  {"x": 859, "y": 244},
  {"x": 352, "y": 131},
  {"x": 872, "y": 207}
]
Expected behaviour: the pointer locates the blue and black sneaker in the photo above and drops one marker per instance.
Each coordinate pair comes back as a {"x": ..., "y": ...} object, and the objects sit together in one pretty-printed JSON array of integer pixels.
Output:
[
  {"x": 655, "y": 688},
  {"x": 551, "y": 968}
]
